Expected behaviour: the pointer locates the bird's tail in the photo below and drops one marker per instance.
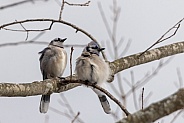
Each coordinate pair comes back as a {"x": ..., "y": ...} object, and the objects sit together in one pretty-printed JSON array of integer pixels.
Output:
[
  {"x": 103, "y": 100},
  {"x": 44, "y": 103}
]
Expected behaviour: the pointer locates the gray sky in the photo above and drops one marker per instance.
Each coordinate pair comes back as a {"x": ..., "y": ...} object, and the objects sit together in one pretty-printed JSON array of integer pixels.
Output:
[{"x": 141, "y": 21}]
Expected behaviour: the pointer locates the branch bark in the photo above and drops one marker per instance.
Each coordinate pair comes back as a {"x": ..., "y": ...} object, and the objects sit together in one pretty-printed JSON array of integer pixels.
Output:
[
  {"x": 157, "y": 110},
  {"x": 149, "y": 56}
]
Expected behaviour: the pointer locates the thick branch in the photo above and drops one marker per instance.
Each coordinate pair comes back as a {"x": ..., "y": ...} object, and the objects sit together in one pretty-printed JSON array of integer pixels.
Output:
[
  {"x": 55, "y": 85},
  {"x": 36, "y": 88},
  {"x": 149, "y": 56},
  {"x": 157, "y": 110}
]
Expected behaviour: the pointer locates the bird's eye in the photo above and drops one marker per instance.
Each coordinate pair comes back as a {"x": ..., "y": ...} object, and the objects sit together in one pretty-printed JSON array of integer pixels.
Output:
[
  {"x": 94, "y": 47},
  {"x": 87, "y": 48}
]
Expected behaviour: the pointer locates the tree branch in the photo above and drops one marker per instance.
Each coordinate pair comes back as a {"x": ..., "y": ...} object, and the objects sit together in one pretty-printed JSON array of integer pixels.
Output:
[
  {"x": 49, "y": 28},
  {"x": 149, "y": 56},
  {"x": 48, "y": 20},
  {"x": 57, "y": 85},
  {"x": 19, "y": 3},
  {"x": 36, "y": 88},
  {"x": 36, "y": 42},
  {"x": 157, "y": 110}
]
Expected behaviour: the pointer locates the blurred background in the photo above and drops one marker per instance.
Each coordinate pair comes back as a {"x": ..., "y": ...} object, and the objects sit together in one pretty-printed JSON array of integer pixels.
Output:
[{"x": 123, "y": 27}]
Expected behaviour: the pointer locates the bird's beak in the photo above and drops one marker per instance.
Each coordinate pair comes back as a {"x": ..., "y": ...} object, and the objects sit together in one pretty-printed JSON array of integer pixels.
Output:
[
  {"x": 63, "y": 40},
  {"x": 101, "y": 49}
]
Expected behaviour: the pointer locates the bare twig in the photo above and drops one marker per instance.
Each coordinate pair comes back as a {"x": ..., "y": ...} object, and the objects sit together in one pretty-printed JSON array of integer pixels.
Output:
[
  {"x": 67, "y": 105},
  {"x": 19, "y": 3},
  {"x": 71, "y": 4},
  {"x": 27, "y": 32},
  {"x": 35, "y": 42},
  {"x": 112, "y": 98},
  {"x": 148, "y": 76},
  {"x": 102, "y": 90},
  {"x": 142, "y": 98},
  {"x": 112, "y": 36},
  {"x": 49, "y": 28},
  {"x": 37, "y": 36},
  {"x": 126, "y": 48},
  {"x": 109, "y": 95},
  {"x": 180, "y": 78},
  {"x": 61, "y": 10},
  {"x": 161, "y": 39},
  {"x": 75, "y": 117},
  {"x": 115, "y": 114},
  {"x": 104, "y": 20},
  {"x": 71, "y": 62},
  {"x": 61, "y": 113},
  {"x": 78, "y": 4},
  {"x": 147, "y": 98},
  {"x": 133, "y": 90},
  {"x": 47, "y": 20}
]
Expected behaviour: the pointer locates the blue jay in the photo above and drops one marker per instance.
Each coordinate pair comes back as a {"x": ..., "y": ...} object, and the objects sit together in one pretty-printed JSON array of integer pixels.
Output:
[
  {"x": 90, "y": 67},
  {"x": 53, "y": 62}
]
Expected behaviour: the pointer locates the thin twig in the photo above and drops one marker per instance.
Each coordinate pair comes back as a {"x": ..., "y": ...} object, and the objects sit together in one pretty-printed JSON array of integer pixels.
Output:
[
  {"x": 35, "y": 42},
  {"x": 27, "y": 32},
  {"x": 52, "y": 22},
  {"x": 112, "y": 98},
  {"x": 71, "y": 52},
  {"x": 71, "y": 4},
  {"x": 49, "y": 28},
  {"x": 105, "y": 92},
  {"x": 112, "y": 36},
  {"x": 37, "y": 36},
  {"x": 133, "y": 90},
  {"x": 104, "y": 20},
  {"x": 161, "y": 39},
  {"x": 19, "y": 3},
  {"x": 78, "y": 4},
  {"x": 61, "y": 10},
  {"x": 60, "y": 113},
  {"x": 75, "y": 117},
  {"x": 126, "y": 48},
  {"x": 149, "y": 76},
  {"x": 67, "y": 105},
  {"x": 142, "y": 98},
  {"x": 146, "y": 99},
  {"x": 180, "y": 78}
]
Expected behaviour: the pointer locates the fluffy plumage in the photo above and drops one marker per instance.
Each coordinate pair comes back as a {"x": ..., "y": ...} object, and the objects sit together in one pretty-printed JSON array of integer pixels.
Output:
[
  {"x": 90, "y": 67},
  {"x": 53, "y": 62}
]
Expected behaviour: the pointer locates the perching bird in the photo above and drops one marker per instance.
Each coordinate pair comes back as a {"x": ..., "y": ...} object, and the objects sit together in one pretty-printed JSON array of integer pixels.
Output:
[
  {"x": 90, "y": 67},
  {"x": 53, "y": 62}
]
